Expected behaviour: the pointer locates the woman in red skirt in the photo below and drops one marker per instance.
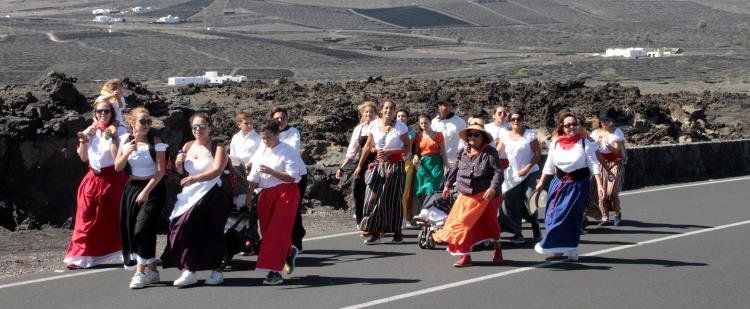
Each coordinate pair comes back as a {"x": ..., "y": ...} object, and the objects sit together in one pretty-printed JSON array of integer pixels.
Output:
[
  {"x": 96, "y": 233},
  {"x": 276, "y": 171}
]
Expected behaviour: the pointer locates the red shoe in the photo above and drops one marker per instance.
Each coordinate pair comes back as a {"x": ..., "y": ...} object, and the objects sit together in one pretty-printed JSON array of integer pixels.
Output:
[
  {"x": 464, "y": 261},
  {"x": 497, "y": 255}
]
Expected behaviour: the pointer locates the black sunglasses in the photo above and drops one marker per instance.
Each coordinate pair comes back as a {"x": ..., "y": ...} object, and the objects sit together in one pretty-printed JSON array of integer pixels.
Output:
[
  {"x": 516, "y": 119},
  {"x": 473, "y": 134},
  {"x": 145, "y": 121},
  {"x": 103, "y": 111},
  {"x": 199, "y": 126},
  {"x": 570, "y": 125}
]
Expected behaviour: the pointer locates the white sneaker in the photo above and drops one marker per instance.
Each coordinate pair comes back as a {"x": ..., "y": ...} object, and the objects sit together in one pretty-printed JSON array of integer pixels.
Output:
[
  {"x": 138, "y": 281},
  {"x": 216, "y": 278},
  {"x": 187, "y": 278},
  {"x": 152, "y": 277},
  {"x": 573, "y": 255}
]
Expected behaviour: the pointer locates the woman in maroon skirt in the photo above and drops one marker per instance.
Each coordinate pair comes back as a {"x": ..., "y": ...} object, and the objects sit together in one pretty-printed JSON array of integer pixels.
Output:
[
  {"x": 196, "y": 228},
  {"x": 96, "y": 234}
]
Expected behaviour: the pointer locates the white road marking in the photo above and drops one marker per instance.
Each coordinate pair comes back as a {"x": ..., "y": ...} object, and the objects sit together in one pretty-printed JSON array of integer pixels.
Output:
[
  {"x": 89, "y": 272},
  {"x": 533, "y": 267}
]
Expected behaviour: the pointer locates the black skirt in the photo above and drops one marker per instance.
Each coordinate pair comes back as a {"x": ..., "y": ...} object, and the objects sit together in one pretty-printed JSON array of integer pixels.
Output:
[{"x": 139, "y": 223}]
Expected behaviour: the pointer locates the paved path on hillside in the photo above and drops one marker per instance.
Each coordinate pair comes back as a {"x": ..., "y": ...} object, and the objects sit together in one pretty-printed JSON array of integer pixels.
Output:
[{"x": 680, "y": 246}]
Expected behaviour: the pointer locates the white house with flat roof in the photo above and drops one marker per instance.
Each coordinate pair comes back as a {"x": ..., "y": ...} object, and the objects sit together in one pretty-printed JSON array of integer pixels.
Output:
[
  {"x": 211, "y": 77},
  {"x": 631, "y": 52}
]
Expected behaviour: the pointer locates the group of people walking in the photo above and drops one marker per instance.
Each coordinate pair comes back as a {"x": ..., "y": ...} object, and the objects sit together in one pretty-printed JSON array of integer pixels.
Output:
[
  {"x": 121, "y": 198},
  {"x": 493, "y": 168}
]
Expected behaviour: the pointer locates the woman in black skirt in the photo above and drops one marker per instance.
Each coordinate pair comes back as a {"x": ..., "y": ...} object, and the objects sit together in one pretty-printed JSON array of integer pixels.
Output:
[
  {"x": 143, "y": 158},
  {"x": 196, "y": 229}
]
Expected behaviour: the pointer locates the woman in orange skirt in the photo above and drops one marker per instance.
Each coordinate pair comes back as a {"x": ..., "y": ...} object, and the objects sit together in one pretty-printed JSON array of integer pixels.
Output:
[{"x": 478, "y": 177}]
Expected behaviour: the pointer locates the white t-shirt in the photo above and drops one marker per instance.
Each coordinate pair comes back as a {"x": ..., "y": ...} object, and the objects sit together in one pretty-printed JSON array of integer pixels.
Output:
[
  {"x": 100, "y": 151},
  {"x": 282, "y": 158},
  {"x": 291, "y": 137},
  {"x": 573, "y": 159},
  {"x": 450, "y": 128},
  {"x": 390, "y": 140},
  {"x": 140, "y": 161},
  {"x": 610, "y": 140},
  {"x": 243, "y": 147},
  {"x": 361, "y": 130},
  {"x": 498, "y": 132},
  {"x": 519, "y": 154}
]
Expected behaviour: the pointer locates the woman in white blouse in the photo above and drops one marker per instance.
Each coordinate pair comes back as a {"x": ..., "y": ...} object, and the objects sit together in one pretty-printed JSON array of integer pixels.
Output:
[
  {"x": 571, "y": 161},
  {"x": 96, "y": 233},
  {"x": 275, "y": 172},
  {"x": 142, "y": 157},
  {"x": 522, "y": 150},
  {"x": 368, "y": 112},
  {"x": 611, "y": 141},
  {"x": 384, "y": 177},
  {"x": 196, "y": 228}
]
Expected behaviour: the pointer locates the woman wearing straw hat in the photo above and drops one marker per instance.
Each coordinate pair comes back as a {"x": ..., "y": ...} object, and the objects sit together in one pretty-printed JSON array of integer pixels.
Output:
[
  {"x": 571, "y": 161},
  {"x": 523, "y": 152},
  {"x": 478, "y": 177}
]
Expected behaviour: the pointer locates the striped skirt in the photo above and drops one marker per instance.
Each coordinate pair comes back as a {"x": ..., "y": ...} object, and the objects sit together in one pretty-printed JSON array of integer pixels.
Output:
[
  {"x": 383, "y": 197},
  {"x": 612, "y": 186}
]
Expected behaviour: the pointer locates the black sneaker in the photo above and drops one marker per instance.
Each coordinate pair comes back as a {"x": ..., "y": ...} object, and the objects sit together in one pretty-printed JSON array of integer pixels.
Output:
[
  {"x": 518, "y": 240},
  {"x": 273, "y": 278},
  {"x": 290, "y": 261},
  {"x": 398, "y": 238},
  {"x": 374, "y": 239}
]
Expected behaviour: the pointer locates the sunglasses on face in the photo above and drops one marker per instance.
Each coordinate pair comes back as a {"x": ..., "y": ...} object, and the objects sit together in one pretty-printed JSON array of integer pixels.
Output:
[
  {"x": 145, "y": 121},
  {"x": 514, "y": 119},
  {"x": 501, "y": 113},
  {"x": 570, "y": 125},
  {"x": 197, "y": 127},
  {"x": 103, "y": 111},
  {"x": 473, "y": 134}
]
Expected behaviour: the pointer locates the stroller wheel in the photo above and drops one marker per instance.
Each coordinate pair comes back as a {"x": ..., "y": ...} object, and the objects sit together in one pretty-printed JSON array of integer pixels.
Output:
[
  {"x": 422, "y": 239},
  {"x": 430, "y": 243}
]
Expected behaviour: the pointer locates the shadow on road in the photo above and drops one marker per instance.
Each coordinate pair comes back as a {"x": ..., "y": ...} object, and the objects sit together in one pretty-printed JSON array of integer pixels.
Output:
[
  {"x": 640, "y": 224},
  {"x": 605, "y": 230},
  {"x": 328, "y": 257},
  {"x": 315, "y": 281},
  {"x": 605, "y": 242},
  {"x": 583, "y": 263}
]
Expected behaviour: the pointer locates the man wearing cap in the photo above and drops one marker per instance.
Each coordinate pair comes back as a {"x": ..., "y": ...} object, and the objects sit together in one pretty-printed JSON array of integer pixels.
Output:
[{"x": 449, "y": 124}]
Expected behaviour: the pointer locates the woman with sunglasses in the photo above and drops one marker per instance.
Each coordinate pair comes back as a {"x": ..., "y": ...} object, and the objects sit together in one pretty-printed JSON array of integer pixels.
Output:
[
  {"x": 571, "y": 161},
  {"x": 611, "y": 141},
  {"x": 143, "y": 157},
  {"x": 384, "y": 177},
  {"x": 96, "y": 235},
  {"x": 523, "y": 151},
  {"x": 478, "y": 177},
  {"x": 196, "y": 229}
]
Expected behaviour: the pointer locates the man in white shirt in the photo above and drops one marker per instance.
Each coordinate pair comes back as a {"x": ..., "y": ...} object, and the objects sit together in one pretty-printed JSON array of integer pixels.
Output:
[
  {"x": 449, "y": 124},
  {"x": 291, "y": 136}
]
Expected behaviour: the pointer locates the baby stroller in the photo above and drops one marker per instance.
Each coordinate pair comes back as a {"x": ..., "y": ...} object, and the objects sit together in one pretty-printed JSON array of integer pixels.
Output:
[
  {"x": 240, "y": 234},
  {"x": 431, "y": 218}
]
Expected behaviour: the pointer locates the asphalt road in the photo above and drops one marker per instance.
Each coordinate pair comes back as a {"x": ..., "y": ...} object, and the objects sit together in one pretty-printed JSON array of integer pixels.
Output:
[{"x": 679, "y": 247}]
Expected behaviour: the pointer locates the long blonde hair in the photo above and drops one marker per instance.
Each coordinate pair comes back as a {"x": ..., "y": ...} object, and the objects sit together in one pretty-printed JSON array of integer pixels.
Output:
[{"x": 365, "y": 105}]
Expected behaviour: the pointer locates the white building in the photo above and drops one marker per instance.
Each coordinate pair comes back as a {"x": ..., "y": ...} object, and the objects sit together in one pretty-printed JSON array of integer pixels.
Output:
[
  {"x": 631, "y": 52},
  {"x": 211, "y": 77},
  {"x": 169, "y": 19},
  {"x": 140, "y": 9},
  {"x": 104, "y": 19}
]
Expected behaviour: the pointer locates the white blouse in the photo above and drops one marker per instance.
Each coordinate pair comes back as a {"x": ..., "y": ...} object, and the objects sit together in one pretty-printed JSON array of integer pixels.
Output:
[
  {"x": 100, "y": 151},
  {"x": 610, "y": 140},
  {"x": 519, "y": 154},
  {"x": 361, "y": 130},
  {"x": 140, "y": 161},
  {"x": 282, "y": 158},
  {"x": 194, "y": 192},
  {"x": 573, "y": 159},
  {"x": 242, "y": 147},
  {"x": 390, "y": 140},
  {"x": 498, "y": 132},
  {"x": 291, "y": 137}
]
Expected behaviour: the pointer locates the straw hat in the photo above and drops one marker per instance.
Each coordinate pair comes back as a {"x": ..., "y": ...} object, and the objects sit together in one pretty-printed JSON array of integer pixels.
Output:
[
  {"x": 537, "y": 200},
  {"x": 476, "y": 124}
]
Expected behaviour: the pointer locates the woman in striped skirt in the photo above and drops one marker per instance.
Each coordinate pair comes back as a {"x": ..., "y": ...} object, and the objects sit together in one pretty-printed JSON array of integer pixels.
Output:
[
  {"x": 611, "y": 145},
  {"x": 384, "y": 177}
]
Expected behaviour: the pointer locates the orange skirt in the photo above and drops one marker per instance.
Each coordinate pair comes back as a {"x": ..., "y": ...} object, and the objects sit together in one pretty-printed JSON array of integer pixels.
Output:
[{"x": 471, "y": 221}]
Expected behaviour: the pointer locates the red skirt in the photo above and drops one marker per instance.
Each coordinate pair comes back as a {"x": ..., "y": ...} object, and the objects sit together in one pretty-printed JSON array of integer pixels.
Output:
[{"x": 96, "y": 234}]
